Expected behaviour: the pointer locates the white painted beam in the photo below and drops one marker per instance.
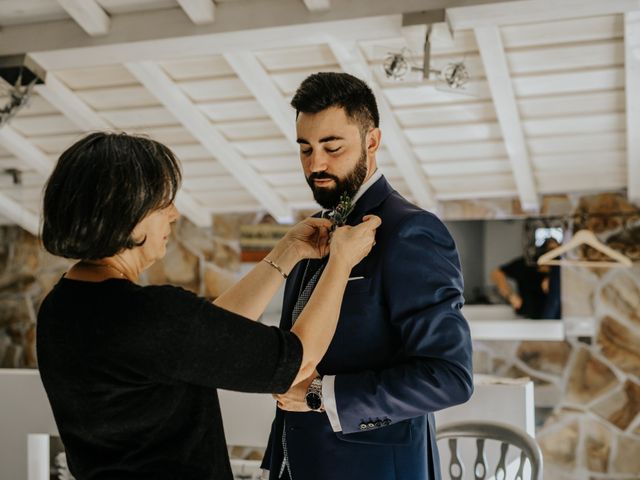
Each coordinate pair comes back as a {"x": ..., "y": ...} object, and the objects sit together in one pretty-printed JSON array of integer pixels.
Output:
[
  {"x": 632, "y": 67},
  {"x": 89, "y": 15},
  {"x": 200, "y": 12},
  {"x": 260, "y": 84},
  {"x": 87, "y": 119},
  {"x": 317, "y": 5},
  {"x": 352, "y": 61},
  {"x": 174, "y": 43},
  {"x": 72, "y": 106},
  {"x": 170, "y": 95},
  {"x": 533, "y": 11},
  {"x": 500, "y": 84},
  {"x": 19, "y": 215},
  {"x": 23, "y": 149}
]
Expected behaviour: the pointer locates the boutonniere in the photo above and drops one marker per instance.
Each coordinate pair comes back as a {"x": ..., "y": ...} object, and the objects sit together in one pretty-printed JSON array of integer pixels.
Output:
[{"x": 340, "y": 213}]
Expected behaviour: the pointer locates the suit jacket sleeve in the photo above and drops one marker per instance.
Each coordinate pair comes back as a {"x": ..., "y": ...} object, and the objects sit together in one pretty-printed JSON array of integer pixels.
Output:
[{"x": 422, "y": 286}]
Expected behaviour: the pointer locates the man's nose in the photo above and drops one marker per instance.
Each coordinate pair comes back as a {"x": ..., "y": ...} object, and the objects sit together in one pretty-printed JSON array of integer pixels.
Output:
[{"x": 318, "y": 162}]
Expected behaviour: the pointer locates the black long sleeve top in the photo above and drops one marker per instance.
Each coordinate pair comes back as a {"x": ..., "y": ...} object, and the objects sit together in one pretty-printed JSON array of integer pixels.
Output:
[{"x": 131, "y": 374}]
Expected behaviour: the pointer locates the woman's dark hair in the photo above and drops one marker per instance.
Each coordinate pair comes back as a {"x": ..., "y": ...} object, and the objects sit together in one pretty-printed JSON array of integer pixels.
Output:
[
  {"x": 331, "y": 89},
  {"x": 101, "y": 188}
]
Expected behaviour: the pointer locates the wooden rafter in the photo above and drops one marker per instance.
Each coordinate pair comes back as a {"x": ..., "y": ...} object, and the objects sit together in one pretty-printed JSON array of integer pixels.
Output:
[
  {"x": 500, "y": 84},
  {"x": 188, "y": 114},
  {"x": 89, "y": 15}
]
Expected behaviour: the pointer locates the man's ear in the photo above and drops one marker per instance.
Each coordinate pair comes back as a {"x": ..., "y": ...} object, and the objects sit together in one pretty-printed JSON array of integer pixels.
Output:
[{"x": 373, "y": 140}]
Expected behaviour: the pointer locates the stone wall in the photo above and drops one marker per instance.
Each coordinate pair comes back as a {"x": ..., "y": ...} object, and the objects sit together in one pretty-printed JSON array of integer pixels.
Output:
[
  {"x": 205, "y": 261},
  {"x": 587, "y": 389}
]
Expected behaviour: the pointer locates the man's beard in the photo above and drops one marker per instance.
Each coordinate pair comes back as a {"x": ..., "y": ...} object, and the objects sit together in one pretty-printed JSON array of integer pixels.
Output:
[{"x": 330, "y": 197}]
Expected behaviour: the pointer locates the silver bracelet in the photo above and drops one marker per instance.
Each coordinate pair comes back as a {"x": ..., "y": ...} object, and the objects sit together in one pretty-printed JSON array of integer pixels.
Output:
[{"x": 277, "y": 267}]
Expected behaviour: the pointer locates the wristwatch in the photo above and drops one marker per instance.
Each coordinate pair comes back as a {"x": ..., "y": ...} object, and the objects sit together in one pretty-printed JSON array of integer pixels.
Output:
[{"x": 313, "y": 398}]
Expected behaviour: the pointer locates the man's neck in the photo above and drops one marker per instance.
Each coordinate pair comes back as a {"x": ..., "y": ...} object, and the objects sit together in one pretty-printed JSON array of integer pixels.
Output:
[{"x": 375, "y": 176}]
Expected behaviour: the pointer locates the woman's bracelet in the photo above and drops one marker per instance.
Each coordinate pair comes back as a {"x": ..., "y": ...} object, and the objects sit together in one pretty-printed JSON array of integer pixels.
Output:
[{"x": 277, "y": 267}]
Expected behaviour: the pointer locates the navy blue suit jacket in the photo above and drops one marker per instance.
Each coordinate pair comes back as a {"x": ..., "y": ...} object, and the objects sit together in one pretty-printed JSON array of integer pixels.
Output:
[{"x": 401, "y": 351}]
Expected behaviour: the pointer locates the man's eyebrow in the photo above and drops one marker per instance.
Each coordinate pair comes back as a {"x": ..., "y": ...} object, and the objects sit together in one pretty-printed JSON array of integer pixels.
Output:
[{"x": 331, "y": 138}]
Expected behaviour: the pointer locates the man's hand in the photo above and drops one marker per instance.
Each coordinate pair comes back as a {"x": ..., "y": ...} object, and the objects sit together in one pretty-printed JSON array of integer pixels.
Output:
[{"x": 293, "y": 400}]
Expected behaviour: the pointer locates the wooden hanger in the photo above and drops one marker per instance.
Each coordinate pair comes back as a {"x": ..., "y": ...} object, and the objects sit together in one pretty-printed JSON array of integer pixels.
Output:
[{"x": 585, "y": 237}]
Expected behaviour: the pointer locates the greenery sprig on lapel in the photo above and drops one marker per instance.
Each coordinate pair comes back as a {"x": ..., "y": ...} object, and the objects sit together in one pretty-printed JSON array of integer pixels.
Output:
[{"x": 340, "y": 213}]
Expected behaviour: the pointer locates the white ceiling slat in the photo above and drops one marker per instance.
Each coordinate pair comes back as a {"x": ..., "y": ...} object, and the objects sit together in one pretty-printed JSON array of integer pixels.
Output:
[
  {"x": 208, "y": 183},
  {"x": 259, "y": 83},
  {"x": 89, "y": 15},
  {"x": 632, "y": 41},
  {"x": 278, "y": 163},
  {"x": 572, "y": 104},
  {"x": 601, "y": 142},
  {"x": 272, "y": 146},
  {"x": 585, "y": 81},
  {"x": 18, "y": 214},
  {"x": 562, "y": 31},
  {"x": 531, "y": 11},
  {"x": 233, "y": 110},
  {"x": 446, "y": 114},
  {"x": 52, "y": 124},
  {"x": 139, "y": 117},
  {"x": 200, "y": 12},
  {"x": 22, "y": 148},
  {"x": 565, "y": 162},
  {"x": 495, "y": 66},
  {"x": 581, "y": 182},
  {"x": 70, "y": 104},
  {"x": 477, "y": 194},
  {"x": 318, "y": 5},
  {"x": 169, "y": 94},
  {"x": 566, "y": 57},
  {"x": 196, "y": 168},
  {"x": 296, "y": 57},
  {"x": 249, "y": 130},
  {"x": 606, "y": 122},
  {"x": 194, "y": 68},
  {"x": 116, "y": 97},
  {"x": 352, "y": 61},
  {"x": 460, "y": 151},
  {"x": 211, "y": 89},
  {"x": 453, "y": 133},
  {"x": 472, "y": 167}
]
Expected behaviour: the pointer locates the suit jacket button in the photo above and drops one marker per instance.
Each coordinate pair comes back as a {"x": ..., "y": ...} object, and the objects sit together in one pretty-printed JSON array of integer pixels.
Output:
[
  {"x": 371, "y": 425},
  {"x": 363, "y": 426},
  {"x": 378, "y": 423},
  {"x": 387, "y": 421}
]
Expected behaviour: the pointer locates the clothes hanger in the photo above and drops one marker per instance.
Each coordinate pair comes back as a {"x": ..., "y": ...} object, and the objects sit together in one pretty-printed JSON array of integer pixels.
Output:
[{"x": 585, "y": 237}]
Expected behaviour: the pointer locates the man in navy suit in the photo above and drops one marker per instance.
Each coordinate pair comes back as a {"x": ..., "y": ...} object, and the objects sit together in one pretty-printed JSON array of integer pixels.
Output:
[{"x": 402, "y": 348}]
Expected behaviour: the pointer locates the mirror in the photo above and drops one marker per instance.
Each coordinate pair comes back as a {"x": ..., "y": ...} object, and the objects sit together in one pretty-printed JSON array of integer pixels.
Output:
[{"x": 498, "y": 260}]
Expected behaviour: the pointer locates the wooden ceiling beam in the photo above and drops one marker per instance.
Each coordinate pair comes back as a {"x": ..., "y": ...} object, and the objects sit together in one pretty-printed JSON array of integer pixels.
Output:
[
  {"x": 89, "y": 15},
  {"x": 201, "y": 12},
  {"x": 260, "y": 84},
  {"x": 501, "y": 86},
  {"x": 189, "y": 115}
]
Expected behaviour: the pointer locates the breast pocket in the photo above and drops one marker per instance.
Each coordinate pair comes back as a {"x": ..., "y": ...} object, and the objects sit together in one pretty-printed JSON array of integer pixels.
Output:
[{"x": 357, "y": 285}]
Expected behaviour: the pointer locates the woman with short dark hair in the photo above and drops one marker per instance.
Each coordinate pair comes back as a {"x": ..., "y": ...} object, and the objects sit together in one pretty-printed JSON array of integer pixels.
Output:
[{"x": 131, "y": 371}]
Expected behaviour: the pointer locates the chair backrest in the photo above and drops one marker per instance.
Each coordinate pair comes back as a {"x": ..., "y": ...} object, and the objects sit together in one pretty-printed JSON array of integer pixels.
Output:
[{"x": 505, "y": 434}]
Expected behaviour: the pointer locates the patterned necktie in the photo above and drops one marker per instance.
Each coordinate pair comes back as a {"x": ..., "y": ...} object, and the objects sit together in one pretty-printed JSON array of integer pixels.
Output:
[
  {"x": 306, "y": 292},
  {"x": 303, "y": 298}
]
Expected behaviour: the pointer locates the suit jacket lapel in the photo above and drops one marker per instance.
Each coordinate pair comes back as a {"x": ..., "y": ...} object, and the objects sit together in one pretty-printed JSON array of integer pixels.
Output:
[{"x": 374, "y": 196}]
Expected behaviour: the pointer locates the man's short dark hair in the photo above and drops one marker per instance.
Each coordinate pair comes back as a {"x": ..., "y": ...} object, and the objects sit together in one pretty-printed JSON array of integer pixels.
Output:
[
  {"x": 101, "y": 188},
  {"x": 331, "y": 89}
]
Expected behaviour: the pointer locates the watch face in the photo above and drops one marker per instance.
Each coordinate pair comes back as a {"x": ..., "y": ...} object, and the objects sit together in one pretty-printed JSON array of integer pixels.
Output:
[{"x": 314, "y": 402}]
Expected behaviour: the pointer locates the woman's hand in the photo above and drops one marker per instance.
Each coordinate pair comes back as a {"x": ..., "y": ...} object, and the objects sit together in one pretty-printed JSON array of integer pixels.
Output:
[
  {"x": 310, "y": 238},
  {"x": 351, "y": 244}
]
